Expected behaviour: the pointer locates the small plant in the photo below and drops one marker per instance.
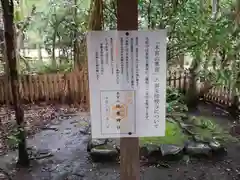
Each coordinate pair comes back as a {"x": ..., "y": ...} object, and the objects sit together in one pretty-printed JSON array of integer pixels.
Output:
[
  {"x": 175, "y": 101},
  {"x": 12, "y": 138},
  {"x": 207, "y": 124}
]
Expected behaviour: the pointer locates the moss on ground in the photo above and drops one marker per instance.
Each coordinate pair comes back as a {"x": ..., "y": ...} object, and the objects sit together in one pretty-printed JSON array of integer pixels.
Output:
[
  {"x": 174, "y": 135},
  {"x": 207, "y": 128},
  {"x": 204, "y": 127}
]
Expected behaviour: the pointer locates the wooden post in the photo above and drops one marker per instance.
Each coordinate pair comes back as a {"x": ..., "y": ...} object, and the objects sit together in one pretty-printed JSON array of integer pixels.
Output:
[{"x": 127, "y": 19}]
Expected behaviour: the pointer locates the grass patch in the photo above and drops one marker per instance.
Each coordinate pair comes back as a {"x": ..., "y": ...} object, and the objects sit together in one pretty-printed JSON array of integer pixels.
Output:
[{"x": 173, "y": 135}]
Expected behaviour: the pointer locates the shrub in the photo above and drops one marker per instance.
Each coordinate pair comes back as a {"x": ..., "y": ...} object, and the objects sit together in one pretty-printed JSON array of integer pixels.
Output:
[{"x": 175, "y": 101}]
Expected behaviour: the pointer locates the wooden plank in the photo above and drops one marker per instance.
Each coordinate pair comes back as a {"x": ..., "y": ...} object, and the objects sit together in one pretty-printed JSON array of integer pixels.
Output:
[
  {"x": 174, "y": 79},
  {"x": 127, "y": 19}
]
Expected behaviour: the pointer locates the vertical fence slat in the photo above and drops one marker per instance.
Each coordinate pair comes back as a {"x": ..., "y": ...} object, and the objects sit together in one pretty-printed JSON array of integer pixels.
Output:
[
  {"x": 2, "y": 88},
  {"x": 180, "y": 81},
  {"x": 82, "y": 87},
  {"x": 46, "y": 88},
  {"x": 169, "y": 78},
  {"x": 174, "y": 79},
  {"x": 10, "y": 93}
]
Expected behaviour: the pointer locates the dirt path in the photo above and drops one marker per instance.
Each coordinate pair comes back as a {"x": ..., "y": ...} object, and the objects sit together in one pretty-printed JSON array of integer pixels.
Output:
[{"x": 70, "y": 159}]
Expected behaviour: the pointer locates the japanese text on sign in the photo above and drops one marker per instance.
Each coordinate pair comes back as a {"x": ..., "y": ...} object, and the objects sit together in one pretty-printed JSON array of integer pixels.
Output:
[{"x": 127, "y": 80}]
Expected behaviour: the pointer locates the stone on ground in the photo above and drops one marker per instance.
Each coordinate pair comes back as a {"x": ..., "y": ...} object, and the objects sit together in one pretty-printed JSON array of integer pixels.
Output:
[{"x": 103, "y": 150}]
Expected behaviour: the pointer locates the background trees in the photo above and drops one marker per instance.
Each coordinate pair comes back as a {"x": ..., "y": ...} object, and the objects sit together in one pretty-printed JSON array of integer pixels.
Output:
[{"x": 50, "y": 35}]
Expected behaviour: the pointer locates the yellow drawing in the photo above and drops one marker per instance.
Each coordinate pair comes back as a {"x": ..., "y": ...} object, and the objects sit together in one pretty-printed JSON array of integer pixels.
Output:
[{"x": 118, "y": 111}]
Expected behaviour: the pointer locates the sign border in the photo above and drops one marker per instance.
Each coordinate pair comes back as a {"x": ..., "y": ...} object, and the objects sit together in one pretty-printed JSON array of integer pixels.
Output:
[{"x": 134, "y": 121}]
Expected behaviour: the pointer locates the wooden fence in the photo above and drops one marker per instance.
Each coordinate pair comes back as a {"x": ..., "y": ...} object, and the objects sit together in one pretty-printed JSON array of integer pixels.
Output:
[
  {"x": 73, "y": 88},
  {"x": 220, "y": 95},
  {"x": 66, "y": 88}
]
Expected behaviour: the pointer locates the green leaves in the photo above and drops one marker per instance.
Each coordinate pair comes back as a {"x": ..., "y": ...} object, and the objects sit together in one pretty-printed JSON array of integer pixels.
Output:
[
  {"x": 175, "y": 101},
  {"x": 191, "y": 29},
  {"x": 56, "y": 19}
]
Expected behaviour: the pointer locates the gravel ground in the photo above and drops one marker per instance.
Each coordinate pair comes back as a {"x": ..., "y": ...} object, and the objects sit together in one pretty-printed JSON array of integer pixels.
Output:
[{"x": 70, "y": 160}]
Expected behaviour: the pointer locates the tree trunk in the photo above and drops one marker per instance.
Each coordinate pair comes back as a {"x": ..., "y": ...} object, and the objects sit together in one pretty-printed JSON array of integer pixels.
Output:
[
  {"x": 39, "y": 48},
  {"x": 25, "y": 61},
  {"x": 18, "y": 38},
  {"x": 192, "y": 93},
  {"x": 8, "y": 11},
  {"x": 54, "y": 62},
  {"x": 181, "y": 61},
  {"x": 76, "y": 58},
  {"x": 149, "y": 14}
]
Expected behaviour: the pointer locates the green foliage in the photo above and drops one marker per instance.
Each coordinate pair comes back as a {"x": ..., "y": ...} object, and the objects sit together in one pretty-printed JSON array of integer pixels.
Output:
[
  {"x": 55, "y": 22},
  {"x": 207, "y": 129},
  {"x": 12, "y": 141},
  {"x": 175, "y": 101},
  {"x": 109, "y": 14},
  {"x": 192, "y": 29},
  {"x": 12, "y": 138},
  {"x": 51, "y": 69}
]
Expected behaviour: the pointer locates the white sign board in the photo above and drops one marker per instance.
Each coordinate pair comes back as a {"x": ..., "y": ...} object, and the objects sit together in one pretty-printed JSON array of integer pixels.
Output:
[{"x": 127, "y": 80}]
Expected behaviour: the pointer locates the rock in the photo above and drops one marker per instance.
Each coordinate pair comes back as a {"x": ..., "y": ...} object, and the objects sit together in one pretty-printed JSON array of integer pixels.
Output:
[
  {"x": 184, "y": 125},
  {"x": 49, "y": 128},
  {"x": 35, "y": 153},
  {"x": 228, "y": 170},
  {"x": 171, "y": 152},
  {"x": 92, "y": 143},
  {"x": 161, "y": 152},
  {"x": 238, "y": 175},
  {"x": 199, "y": 138},
  {"x": 74, "y": 177},
  {"x": 150, "y": 151},
  {"x": 2, "y": 176},
  {"x": 235, "y": 130},
  {"x": 86, "y": 130},
  {"x": 198, "y": 149},
  {"x": 74, "y": 121},
  {"x": 103, "y": 150},
  {"x": 104, "y": 153},
  {"x": 171, "y": 120},
  {"x": 217, "y": 148}
]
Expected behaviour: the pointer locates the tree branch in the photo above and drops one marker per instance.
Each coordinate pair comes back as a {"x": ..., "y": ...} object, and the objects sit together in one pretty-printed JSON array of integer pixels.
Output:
[{"x": 22, "y": 26}]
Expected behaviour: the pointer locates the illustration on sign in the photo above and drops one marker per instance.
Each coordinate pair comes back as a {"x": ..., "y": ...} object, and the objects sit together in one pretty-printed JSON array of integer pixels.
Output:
[
  {"x": 127, "y": 80},
  {"x": 118, "y": 112}
]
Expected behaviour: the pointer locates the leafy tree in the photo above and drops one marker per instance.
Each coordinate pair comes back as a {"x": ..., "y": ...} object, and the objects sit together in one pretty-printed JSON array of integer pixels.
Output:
[
  {"x": 206, "y": 30},
  {"x": 193, "y": 28}
]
